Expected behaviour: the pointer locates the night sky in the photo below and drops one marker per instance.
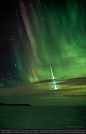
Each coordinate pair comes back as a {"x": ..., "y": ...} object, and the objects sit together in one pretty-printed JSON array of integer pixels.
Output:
[{"x": 43, "y": 52}]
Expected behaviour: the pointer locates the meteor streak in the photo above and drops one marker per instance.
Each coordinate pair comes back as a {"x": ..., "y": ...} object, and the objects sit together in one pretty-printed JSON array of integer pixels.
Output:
[{"x": 53, "y": 76}]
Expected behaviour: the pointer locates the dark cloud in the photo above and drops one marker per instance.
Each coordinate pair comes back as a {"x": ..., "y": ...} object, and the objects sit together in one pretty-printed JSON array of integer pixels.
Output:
[
  {"x": 11, "y": 84},
  {"x": 75, "y": 95}
]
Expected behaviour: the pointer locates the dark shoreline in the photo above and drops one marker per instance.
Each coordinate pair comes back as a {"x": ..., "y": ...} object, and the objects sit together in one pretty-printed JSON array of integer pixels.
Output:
[{"x": 1, "y": 104}]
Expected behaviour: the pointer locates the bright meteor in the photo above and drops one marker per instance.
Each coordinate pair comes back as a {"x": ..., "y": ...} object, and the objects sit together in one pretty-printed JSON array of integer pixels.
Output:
[{"x": 53, "y": 77}]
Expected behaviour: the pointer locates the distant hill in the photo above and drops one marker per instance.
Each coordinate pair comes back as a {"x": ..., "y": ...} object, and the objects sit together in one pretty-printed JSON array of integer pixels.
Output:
[{"x": 2, "y": 104}]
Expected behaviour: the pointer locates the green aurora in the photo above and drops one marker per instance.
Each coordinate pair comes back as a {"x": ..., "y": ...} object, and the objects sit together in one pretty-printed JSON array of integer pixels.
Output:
[{"x": 56, "y": 41}]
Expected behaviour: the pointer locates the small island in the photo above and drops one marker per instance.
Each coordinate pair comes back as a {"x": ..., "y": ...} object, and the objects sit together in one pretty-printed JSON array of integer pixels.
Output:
[{"x": 2, "y": 104}]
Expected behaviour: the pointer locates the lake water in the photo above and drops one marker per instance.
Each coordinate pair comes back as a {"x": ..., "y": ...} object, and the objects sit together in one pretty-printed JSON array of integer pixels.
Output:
[{"x": 43, "y": 117}]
